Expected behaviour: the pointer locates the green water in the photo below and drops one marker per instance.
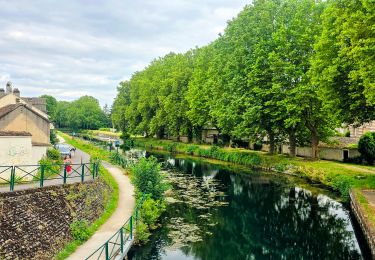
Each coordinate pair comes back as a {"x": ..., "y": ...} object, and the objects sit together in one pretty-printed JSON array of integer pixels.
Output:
[{"x": 229, "y": 212}]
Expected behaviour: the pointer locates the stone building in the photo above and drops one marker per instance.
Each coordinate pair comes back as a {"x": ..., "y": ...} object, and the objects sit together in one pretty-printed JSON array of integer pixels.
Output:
[
  {"x": 357, "y": 132},
  {"x": 24, "y": 128}
]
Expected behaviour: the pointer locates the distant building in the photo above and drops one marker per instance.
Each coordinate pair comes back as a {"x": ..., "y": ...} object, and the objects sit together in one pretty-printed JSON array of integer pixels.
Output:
[
  {"x": 357, "y": 132},
  {"x": 24, "y": 128}
]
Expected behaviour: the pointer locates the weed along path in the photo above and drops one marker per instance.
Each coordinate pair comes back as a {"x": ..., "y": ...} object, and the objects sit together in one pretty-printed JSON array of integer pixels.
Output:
[{"x": 123, "y": 211}]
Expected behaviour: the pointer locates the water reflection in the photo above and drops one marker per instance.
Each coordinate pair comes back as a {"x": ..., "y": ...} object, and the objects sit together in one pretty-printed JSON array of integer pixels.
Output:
[{"x": 268, "y": 217}]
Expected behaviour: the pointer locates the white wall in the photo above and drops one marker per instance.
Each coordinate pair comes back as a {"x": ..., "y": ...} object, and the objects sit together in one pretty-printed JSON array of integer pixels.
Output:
[
  {"x": 38, "y": 152},
  {"x": 14, "y": 150}
]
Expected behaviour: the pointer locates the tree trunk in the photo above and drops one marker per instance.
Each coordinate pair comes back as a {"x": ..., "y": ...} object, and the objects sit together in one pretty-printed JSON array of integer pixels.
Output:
[
  {"x": 292, "y": 143},
  {"x": 190, "y": 134},
  {"x": 160, "y": 134},
  {"x": 272, "y": 142},
  {"x": 314, "y": 144}
]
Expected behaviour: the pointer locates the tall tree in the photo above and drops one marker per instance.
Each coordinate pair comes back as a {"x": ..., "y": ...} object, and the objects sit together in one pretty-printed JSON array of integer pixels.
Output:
[
  {"x": 343, "y": 66},
  {"x": 51, "y": 104}
]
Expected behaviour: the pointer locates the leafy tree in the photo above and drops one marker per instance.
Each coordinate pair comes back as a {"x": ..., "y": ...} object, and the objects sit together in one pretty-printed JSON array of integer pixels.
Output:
[
  {"x": 51, "y": 104},
  {"x": 345, "y": 56},
  {"x": 85, "y": 113},
  {"x": 61, "y": 114},
  {"x": 121, "y": 103},
  {"x": 366, "y": 146}
]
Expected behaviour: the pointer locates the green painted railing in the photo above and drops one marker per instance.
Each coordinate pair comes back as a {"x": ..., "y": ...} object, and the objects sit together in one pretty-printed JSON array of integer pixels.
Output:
[
  {"x": 39, "y": 174},
  {"x": 119, "y": 243}
]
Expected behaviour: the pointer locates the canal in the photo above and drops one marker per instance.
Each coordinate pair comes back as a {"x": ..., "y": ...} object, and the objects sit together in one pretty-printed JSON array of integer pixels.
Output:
[{"x": 224, "y": 211}]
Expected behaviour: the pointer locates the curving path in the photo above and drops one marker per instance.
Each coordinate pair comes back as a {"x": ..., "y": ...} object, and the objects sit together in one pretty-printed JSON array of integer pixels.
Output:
[{"x": 122, "y": 213}]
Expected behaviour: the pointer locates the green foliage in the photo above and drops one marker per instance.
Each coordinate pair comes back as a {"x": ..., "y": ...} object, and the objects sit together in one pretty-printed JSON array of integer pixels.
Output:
[
  {"x": 343, "y": 184},
  {"x": 53, "y": 138},
  {"x": 343, "y": 63},
  {"x": 147, "y": 179},
  {"x": 282, "y": 69},
  {"x": 191, "y": 149},
  {"x": 51, "y": 166},
  {"x": 149, "y": 214},
  {"x": 83, "y": 113},
  {"x": 142, "y": 233},
  {"x": 151, "y": 210},
  {"x": 53, "y": 154},
  {"x": 366, "y": 146},
  {"x": 51, "y": 105},
  {"x": 80, "y": 230}
]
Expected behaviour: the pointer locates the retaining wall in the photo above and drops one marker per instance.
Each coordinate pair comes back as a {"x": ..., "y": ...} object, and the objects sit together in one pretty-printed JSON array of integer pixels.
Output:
[
  {"x": 35, "y": 223},
  {"x": 367, "y": 229}
]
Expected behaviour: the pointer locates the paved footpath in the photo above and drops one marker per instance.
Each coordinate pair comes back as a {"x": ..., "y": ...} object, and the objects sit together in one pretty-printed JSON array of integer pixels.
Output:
[{"x": 122, "y": 213}]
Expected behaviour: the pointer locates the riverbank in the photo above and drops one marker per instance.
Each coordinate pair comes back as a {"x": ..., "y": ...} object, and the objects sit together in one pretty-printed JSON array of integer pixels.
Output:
[{"x": 339, "y": 176}]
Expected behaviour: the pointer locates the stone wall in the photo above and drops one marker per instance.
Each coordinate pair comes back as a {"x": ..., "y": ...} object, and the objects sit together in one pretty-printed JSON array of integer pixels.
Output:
[
  {"x": 367, "y": 229},
  {"x": 35, "y": 223}
]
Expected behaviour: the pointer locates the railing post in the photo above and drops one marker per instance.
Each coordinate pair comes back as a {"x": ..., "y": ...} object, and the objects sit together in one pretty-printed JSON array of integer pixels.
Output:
[
  {"x": 12, "y": 177},
  {"x": 131, "y": 227},
  {"x": 64, "y": 174},
  {"x": 41, "y": 175},
  {"x": 122, "y": 240},
  {"x": 106, "y": 251},
  {"x": 83, "y": 172},
  {"x": 93, "y": 170}
]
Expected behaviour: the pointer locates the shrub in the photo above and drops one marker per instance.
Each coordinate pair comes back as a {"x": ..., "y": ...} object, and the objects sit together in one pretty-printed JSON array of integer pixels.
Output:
[
  {"x": 142, "y": 233},
  {"x": 50, "y": 167},
  {"x": 342, "y": 184},
  {"x": 52, "y": 137},
  {"x": 80, "y": 230},
  {"x": 147, "y": 179},
  {"x": 151, "y": 210},
  {"x": 190, "y": 149},
  {"x": 366, "y": 146},
  {"x": 53, "y": 154},
  {"x": 171, "y": 147}
]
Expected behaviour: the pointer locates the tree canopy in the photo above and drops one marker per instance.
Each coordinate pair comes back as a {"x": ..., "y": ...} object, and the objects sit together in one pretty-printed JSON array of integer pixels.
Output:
[
  {"x": 283, "y": 70},
  {"x": 83, "y": 113}
]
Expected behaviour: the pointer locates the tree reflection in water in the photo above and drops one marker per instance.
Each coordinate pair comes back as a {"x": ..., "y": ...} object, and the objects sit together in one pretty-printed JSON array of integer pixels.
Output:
[{"x": 267, "y": 218}]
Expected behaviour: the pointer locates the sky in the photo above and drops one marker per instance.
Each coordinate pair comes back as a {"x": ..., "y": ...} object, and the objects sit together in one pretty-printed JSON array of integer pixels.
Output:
[{"x": 72, "y": 48}]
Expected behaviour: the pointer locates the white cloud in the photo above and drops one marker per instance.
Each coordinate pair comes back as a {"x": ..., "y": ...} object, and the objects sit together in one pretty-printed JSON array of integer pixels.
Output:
[{"x": 73, "y": 48}]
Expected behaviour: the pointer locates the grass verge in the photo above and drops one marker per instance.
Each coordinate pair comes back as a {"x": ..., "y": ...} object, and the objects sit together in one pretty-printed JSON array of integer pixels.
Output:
[
  {"x": 111, "y": 206},
  {"x": 339, "y": 176}
]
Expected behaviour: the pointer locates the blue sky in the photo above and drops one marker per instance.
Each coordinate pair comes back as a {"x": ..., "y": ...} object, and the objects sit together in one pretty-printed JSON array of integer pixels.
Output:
[{"x": 73, "y": 48}]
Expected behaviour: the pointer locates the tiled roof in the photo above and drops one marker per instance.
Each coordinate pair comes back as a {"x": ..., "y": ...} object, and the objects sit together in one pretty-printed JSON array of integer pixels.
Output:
[
  {"x": 9, "y": 108},
  {"x": 14, "y": 133}
]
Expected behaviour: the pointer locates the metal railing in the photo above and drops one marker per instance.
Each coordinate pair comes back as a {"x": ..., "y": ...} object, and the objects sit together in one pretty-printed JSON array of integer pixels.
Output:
[
  {"x": 120, "y": 242},
  {"x": 40, "y": 174}
]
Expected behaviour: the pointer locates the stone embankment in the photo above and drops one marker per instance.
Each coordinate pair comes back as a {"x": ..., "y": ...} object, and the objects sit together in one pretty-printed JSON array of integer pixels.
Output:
[
  {"x": 35, "y": 223},
  {"x": 367, "y": 228}
]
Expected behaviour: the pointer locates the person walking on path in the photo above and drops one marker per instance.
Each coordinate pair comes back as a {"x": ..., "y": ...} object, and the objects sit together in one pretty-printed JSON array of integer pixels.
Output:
[{"x": 68, "y": 164}]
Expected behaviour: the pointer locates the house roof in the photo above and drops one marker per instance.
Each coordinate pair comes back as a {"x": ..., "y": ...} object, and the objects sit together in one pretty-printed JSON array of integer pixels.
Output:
[
  {"x": 9, "y": 108},
  {"x": 14, "y": 133}
]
